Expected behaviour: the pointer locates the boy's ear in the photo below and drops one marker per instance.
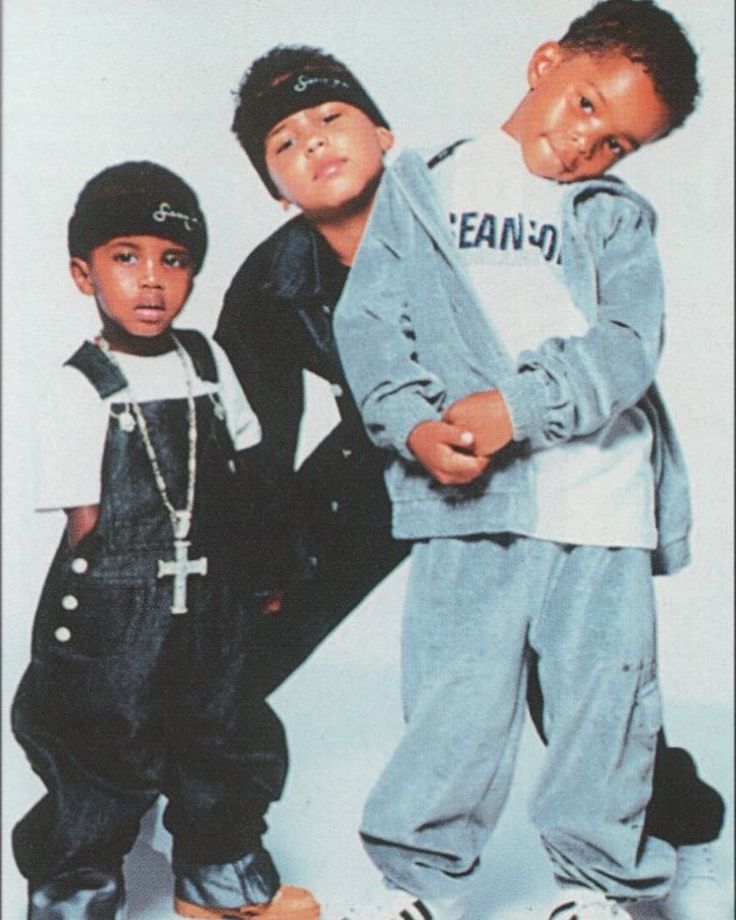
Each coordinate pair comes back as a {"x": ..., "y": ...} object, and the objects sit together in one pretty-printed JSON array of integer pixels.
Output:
[
  {"x": 80, "y": 272},
  {"x": 544, "y": 59},
  {"x": 385, "y": 138}
]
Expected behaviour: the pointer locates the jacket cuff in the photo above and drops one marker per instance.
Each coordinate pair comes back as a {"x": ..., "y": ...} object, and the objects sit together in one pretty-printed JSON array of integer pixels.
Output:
[
  {"x": 524, "y": 396},
  {"x": 406, "y": 421}
]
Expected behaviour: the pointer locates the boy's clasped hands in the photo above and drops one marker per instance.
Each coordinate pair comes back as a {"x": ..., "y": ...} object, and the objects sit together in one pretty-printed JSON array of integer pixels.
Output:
[{"x": 459, "y": 448}]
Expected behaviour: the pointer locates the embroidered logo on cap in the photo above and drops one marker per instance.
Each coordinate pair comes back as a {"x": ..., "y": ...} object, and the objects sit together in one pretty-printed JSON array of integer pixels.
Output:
[
  {"x": 303, "y": 83},
  {"x": 165, "y": 211}
]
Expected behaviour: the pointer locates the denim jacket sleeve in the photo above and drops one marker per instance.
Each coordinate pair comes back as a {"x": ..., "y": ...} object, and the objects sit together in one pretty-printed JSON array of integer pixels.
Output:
[
  {"x": 570, "y": 387},
  {"x": 375, "y": 333}
]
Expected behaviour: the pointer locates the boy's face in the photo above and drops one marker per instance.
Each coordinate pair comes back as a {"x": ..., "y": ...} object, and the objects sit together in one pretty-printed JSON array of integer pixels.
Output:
[
  {"x": 140, "y": 284},
  {"x": 584, "y": 113},
  {"x": 326, "y": 159}
]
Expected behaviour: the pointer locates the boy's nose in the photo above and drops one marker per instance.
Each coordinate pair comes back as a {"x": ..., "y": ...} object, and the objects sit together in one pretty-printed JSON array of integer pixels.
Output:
[
  {"x": 315, "y": 142},
  {"x": 150, "y": 275},
  {"x": 582, "y": 140}
]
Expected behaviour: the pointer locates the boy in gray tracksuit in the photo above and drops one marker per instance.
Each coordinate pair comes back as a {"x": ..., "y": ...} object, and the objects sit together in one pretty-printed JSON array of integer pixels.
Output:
[{"x": 541, "y": 492}]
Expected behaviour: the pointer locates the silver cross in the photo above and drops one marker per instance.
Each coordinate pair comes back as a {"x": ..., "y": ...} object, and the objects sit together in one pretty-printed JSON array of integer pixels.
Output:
[{"x": 181, "y": 567}]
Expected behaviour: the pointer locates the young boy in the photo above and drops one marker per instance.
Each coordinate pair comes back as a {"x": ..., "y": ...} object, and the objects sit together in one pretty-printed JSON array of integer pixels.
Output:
[
  {"x": 541, "y": 491},
  {"x": 276, "y": 323},
  {"x": 136, "y": 685}
]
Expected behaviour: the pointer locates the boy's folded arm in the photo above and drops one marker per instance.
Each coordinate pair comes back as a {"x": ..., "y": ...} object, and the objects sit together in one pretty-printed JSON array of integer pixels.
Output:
[
  {"x": 376, "y": 341},
  {"x": 570, "y": 387}
]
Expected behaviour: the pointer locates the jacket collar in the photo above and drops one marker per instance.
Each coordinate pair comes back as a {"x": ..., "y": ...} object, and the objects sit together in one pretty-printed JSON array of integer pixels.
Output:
[
  {"x": 409, "y": 179},
  {"x": 298, "y": 260},
  {"x": 394, "y": 225}
]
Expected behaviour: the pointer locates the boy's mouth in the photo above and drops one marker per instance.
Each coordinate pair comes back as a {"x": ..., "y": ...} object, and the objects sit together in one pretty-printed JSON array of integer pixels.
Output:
[
  {"x": 566, "y": 161},
  {"x": 328, "y": 167},
  {"x": 150, "y": 311}
]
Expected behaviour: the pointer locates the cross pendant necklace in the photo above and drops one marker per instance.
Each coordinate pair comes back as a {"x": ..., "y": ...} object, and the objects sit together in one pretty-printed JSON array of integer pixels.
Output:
[{"x": 181, "y": 566}]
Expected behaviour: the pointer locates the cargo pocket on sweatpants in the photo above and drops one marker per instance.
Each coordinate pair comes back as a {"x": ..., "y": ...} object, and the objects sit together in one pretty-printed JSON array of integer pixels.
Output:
[
  {"x": 647, "y": 719},
  {"x": 641, "y": 745}
]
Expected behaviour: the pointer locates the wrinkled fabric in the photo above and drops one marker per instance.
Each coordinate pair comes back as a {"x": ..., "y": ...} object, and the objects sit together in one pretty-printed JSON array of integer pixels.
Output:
[
  {"x": 124, "y": 700},
  {"x": 588, "y": 615},
  {"x": 85, "y": 894},
  {"x": 430, "y": 344},
  {"x": 276, "y": 323}
]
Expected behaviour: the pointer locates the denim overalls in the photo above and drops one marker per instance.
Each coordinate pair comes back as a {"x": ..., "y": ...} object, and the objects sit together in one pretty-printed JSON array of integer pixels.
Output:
[{"x": 124, "y": 700}]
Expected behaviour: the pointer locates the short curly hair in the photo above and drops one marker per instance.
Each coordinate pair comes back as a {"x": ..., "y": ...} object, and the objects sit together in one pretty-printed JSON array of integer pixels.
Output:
[{"x": 648, "y": 35}]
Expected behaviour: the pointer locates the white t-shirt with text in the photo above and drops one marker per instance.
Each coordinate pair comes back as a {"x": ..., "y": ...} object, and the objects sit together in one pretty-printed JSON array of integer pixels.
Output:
[{"x": 506, "y": 222}]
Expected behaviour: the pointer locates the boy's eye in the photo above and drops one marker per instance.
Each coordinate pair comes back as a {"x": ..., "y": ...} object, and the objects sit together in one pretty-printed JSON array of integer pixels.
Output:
[
  {"x": 176, "y": 259},
  {"x": 284, "y": 145},
  {"x": 331, "y": 117},
  {"x": 615, "y": 146},
  {"x": 585, "y": 104},
  {"x": 125, "y": 256}
]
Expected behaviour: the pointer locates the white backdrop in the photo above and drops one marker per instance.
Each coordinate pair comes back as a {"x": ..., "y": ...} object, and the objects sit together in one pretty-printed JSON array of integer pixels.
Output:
[{"x": 91, "y": 84}]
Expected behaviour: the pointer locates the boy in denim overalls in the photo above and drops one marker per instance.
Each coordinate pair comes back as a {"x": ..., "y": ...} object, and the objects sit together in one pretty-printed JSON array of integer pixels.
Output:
[{"x": 137, "y": 684}]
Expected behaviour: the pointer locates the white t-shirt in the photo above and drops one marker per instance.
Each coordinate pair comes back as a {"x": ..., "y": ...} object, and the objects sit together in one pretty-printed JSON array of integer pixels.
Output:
[
  {"x": 595, "y": 490},
  {"x": 73, "y": 425}
]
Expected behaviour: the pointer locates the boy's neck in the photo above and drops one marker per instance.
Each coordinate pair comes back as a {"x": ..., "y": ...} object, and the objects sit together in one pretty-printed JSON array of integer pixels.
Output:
[
  {"x": 343, "y": 228},
  {"x": 344, "y": 234},
  {"x": 127, "y": 344}
]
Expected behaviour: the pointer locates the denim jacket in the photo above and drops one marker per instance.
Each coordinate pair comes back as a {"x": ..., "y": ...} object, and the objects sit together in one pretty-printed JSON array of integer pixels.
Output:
[{"x": 413, "y": 338}]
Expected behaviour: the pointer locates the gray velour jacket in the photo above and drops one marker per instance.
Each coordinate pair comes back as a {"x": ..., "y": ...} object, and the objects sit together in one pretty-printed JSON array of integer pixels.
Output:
[{"x": 413, "y": 338}]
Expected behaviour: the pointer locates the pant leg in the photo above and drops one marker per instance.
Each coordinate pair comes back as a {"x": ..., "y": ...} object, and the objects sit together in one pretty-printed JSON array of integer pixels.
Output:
[
  {"x": 341, "y": 528},
  {"x": 227, "y": 755},
  {"x": 597, "y": 666},
  {"x": 463, "y": 643},
  {"x": 82, "y": 894},
  {"x": 314, "y": 606},
  {"x": 683, "y": 810},
  {"x": 86, "y": 716}
]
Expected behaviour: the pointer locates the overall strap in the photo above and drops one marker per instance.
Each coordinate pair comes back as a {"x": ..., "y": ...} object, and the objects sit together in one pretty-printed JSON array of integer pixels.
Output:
[
  {"x": 107, "y": 378},
  {"x": 104, "y": 376},
  {"x": 198, "y": 349}
]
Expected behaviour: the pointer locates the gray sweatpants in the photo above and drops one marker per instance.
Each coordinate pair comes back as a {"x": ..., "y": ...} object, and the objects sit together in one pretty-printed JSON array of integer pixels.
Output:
[{"x": 474, "y": 607}]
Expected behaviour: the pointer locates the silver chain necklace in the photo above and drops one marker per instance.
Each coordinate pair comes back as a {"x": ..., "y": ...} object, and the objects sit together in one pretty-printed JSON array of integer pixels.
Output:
[{"x": 181, "y": 520}]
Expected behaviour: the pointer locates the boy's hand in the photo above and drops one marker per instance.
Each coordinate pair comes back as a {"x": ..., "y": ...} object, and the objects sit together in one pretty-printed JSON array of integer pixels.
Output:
[
  {"x": 445, "y": 452},
  {"x": 274, "y": 602},
  {"x": 486, "y": 416}
]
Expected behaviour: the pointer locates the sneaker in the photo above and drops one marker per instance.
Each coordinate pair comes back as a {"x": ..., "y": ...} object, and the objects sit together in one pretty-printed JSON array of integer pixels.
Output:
[
  {"x": 695, "y": 892},
  {"x": 394, "y": 904},
  {"x": 586, "y": 904},
  {"x": 287, "y": 904}
]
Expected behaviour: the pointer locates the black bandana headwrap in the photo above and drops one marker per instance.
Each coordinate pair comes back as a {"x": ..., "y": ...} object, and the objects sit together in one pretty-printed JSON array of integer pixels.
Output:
[
  {"x": 302, "y": 89},
  {"x": 137, "y": 199}
]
